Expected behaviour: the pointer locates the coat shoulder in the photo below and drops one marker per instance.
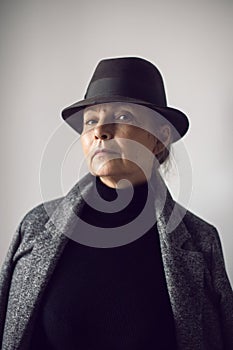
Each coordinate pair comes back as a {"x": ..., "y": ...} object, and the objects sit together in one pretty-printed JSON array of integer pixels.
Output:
[
  {"x": 203, "y": 234},
  {"x": 196, "y": 222},
  {"x": 35, "y": 219}
]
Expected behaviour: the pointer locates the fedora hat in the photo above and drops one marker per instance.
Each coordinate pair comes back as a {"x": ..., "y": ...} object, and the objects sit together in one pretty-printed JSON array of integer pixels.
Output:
[{"x": 128, "y": 80}]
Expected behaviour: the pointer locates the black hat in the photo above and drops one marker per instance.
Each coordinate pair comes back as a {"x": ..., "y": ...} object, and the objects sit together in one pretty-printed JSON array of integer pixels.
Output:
[{"x": 128, "y": 80}]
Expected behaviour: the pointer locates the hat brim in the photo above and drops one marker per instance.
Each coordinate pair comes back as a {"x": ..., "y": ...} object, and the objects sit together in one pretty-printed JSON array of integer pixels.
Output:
[{"x": 177, "y": 118}]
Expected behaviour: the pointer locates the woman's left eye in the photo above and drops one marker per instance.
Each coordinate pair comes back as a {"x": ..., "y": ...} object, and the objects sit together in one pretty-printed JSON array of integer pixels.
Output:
[{"x": 124, "y": 118}]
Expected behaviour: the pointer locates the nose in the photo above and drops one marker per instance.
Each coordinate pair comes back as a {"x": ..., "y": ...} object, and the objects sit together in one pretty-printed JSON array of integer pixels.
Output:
[{"x": 103, "y": 132}]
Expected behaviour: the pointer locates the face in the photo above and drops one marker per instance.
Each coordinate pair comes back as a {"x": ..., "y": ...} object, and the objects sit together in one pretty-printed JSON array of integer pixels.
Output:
[{"x": 117, "y": 143}]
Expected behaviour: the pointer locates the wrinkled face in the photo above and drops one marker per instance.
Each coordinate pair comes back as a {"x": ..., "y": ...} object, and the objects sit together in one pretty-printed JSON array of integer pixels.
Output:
[{"x": 117, "y": 143}]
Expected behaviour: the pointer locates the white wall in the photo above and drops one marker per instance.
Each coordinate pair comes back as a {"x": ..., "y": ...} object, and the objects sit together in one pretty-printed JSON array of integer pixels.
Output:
[{"x": 48, "y": 52}]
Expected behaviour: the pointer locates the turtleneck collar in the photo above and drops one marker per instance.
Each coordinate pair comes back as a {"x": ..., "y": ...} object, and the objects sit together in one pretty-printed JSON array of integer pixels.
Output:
[
  {"x": 110, "y": 194},
  {"x": 132, "y": 201}
]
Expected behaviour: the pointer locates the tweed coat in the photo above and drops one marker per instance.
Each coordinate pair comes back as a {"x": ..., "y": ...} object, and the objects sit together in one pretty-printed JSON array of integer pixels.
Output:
[{"x": 199, "y": 290}]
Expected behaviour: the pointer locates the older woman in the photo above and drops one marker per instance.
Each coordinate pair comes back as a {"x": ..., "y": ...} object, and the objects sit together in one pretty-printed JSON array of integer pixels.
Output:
[{"x": 116, "y": 263}]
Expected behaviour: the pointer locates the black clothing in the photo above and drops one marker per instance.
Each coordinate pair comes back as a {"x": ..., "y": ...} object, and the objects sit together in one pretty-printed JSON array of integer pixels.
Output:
[{"x": 113, "y": 298}]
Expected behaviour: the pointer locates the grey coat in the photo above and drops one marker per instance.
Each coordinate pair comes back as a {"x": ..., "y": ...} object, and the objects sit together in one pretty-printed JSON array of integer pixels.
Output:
[{"x": 200, "y": 293}]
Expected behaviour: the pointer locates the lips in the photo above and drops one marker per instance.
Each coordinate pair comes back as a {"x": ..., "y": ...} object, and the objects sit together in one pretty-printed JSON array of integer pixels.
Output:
[{"x": 104, "y": 151}]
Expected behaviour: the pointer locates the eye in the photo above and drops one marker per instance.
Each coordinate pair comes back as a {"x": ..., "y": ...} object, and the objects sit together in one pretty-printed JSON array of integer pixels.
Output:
[
  {"x": 126, "y": 117},
  {"x": 90, "y": 122}
]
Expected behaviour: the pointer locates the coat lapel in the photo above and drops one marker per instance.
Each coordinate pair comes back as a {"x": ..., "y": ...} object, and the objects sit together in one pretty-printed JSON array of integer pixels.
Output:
[{"x": 184, "y": 270}]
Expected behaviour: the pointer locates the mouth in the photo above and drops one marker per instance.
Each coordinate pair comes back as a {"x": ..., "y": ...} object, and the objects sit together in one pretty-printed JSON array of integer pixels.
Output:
[{"x": 104, "y": 152}]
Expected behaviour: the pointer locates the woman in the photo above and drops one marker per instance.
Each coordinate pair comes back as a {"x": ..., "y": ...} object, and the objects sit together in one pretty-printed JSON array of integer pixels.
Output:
[{"x": 161, "y": 284}]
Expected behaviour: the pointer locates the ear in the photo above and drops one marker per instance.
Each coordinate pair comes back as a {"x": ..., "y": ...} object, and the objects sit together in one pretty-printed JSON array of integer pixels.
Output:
[{"x": 164, "y": 137}]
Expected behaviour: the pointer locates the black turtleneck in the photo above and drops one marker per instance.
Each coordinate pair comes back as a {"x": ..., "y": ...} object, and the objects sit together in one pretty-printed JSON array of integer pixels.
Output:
[
  {"x": 126, "y": 205},
  {"x": 108, "y": 298}
]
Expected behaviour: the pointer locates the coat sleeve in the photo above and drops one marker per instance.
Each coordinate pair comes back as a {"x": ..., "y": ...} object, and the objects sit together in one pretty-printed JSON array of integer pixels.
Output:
[
  {"x": 6, "y": 275},
  {"x": 223, "y": 291}
]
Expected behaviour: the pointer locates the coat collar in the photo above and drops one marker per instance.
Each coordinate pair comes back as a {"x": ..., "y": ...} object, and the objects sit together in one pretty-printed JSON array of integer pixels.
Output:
[{"x": 169, "y": 214}]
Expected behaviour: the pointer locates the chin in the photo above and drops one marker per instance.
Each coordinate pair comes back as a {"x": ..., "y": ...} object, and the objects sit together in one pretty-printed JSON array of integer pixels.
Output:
[
  {"x": 107, "y": 173},
  {"x": 110, "y": 168}
]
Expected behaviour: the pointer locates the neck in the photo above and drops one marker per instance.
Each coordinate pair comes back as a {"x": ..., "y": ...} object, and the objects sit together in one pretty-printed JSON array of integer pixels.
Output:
[{"x": 124, "y": 181}]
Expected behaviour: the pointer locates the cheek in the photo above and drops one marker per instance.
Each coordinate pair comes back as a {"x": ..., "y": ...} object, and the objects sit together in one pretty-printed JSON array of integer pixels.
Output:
[
  {"x": 85, "y": 142},
  {"x": 139, "y": 149},
  {"x": 136, "y": 151},
  {"x": 137, "y": 141}
]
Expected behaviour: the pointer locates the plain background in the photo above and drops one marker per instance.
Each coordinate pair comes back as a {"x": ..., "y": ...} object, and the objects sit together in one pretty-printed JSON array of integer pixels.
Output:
[{"x": 49, "y": 50}]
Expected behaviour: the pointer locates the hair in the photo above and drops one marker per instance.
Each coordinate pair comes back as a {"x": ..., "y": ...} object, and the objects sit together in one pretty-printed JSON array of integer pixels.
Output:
[
  {"x": 163, "y": 156},
  {"x": 165, "y": 161}
]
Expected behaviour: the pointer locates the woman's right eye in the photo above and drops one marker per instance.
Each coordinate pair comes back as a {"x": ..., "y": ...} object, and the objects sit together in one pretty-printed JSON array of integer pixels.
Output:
[{"x": 90, "y": 122}]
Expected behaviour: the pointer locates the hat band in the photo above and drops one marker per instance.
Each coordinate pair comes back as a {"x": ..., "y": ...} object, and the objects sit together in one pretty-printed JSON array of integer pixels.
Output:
[{"x": 126, "y": 88}]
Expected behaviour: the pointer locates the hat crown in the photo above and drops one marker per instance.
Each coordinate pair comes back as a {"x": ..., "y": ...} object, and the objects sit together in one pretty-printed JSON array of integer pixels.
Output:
[
  {"x": 127, "y": 80},
  {"x": 131, "y": 77}
]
